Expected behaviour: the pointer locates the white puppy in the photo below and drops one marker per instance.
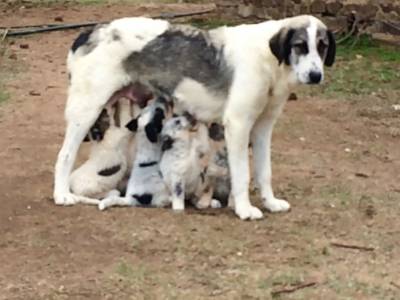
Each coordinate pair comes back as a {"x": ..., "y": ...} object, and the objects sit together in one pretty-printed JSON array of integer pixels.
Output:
[
  {"x": 107, "y": 164},
  {"x": 145, "y": 185},
  {"x": 186, "y": 153}
]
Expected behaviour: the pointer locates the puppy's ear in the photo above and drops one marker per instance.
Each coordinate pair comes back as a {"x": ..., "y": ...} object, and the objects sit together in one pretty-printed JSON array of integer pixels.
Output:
[
  {"x": 132, "y": 125},
  {"x": 154, "y": 127},
  {"x": 330, "y": 55},
  {"x": 216, "y": 132},
  {"x": 280, "y": 45},
  {"x": 166, "y": 143},
  {"x": 151, "y": 132},
  {"x": 192, "y": 120},
  {"x": 158, "y": 119}
]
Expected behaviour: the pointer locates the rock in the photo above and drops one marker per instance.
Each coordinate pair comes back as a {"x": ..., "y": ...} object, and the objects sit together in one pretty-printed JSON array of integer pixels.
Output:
[
  {"x": 317, "y": 7},
  {"x": 24, "y": 46},
  {"x": 246, "y": 11},
  {"x": 59, "y": 19},
  {"x": 333, "y": 7},
  {"x": 363, "y": 9}
]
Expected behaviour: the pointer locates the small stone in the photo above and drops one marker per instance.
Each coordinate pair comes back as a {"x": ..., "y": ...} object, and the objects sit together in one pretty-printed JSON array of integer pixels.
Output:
[
  {"x": 59, "y": 19},
  {"x": 24, "y": 46}
]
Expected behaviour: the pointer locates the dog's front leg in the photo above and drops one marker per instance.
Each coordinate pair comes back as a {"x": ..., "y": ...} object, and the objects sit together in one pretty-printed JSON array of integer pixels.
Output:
[
  {"x": 261, "y": 137},
  {"x": 239, "y": 117}
]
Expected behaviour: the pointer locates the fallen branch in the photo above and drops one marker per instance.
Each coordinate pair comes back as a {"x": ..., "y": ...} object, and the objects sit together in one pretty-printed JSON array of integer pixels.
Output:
[
  {"x": 339, "y": 245},
  {"x": 15, "y": 31},
  {"x": 292, "y": 289},
  {"x": 351, "y": 32}
]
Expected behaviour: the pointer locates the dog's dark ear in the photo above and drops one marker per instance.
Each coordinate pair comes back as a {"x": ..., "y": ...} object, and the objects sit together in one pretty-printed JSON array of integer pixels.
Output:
[
  {"x": 132, "y": 125},
  {"x": 330, "y": 55},
  {"x": 280, "y": 45},
  {"x": 154, "y": 127},
  {"x": 192, "y": 120},
  {"x": 216, "y": 132}
]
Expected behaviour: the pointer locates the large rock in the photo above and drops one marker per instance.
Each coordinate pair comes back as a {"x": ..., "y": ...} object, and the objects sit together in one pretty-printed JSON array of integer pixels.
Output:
[
  {"x": 364, "y": 9},
  {"x": 333, "y": 7},
  {"x": 246, "y": 11},
  {"x": 318, "y": 7}
]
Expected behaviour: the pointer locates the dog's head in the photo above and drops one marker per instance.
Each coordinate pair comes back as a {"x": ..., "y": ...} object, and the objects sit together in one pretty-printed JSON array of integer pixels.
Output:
[
  {"x": 178, "y": 127},
  {"x": 306, "y": 45},
  {"x": 151, "y": 119}
]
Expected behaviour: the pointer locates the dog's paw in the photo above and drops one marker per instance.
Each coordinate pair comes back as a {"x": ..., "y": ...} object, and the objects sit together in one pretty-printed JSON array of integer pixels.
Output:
[
  {"x": 65, "y": 199},
  {"x": 276, "y": 205},
  {"x": 215, "y": 203},
  {"x": 248, "y": 212},
  {"x": 178, "y": 205}
]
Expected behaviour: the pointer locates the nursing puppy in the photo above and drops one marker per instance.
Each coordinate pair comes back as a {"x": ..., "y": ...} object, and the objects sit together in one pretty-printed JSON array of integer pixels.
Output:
[
  {"x": 107, "y": 164},
  {"x": 239, "y": 75},
  {"x": 184, "y": 163},
  {"x": 145, "y": 186}
]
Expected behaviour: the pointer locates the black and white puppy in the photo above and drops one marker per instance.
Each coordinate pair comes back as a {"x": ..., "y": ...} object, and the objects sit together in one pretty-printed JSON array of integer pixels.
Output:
[
  {"x": 145, "y": 185},
  {"x": 184, "y": 163}
]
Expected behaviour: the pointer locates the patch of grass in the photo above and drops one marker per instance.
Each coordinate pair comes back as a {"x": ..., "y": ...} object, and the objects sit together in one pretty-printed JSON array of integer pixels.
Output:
[
  {"x": 4, "y": 95},
  {"x": 210, "y": 23},
  {"x": 129, "y": 273}
]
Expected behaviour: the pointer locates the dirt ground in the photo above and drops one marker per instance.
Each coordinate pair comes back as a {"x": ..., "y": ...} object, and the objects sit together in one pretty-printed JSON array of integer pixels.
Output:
[{"x": 336, "y": 161}]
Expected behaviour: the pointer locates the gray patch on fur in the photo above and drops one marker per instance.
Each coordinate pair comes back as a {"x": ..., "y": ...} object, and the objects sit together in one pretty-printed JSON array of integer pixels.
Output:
[{"x": 180, "y": 52}]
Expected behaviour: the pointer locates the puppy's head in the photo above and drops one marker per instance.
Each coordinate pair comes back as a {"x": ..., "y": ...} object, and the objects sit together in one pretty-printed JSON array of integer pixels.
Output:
[
  {"x": 178, "y": 127},
  {"x": 151, "y": 119},
  {"x": 306, "y": 45},
  {"x": 98, "y": 129}
]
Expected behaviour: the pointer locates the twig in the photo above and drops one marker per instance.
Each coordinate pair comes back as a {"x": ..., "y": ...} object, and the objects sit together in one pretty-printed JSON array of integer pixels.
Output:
[
  {"x": 4, "y": 34},
  {"x": 292, "y": 289},
  {"x": 339, "y": 245},
  {"x": 351, "y": 32},
  {"x": 395, "y": 284},
  {"x": 55, "y": 27}
]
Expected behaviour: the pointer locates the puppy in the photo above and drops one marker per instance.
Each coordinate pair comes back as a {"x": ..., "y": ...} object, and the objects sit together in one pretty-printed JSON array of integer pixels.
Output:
[
  {"x": 145, "y": 186},
  {"x": 107, "y": 164},
  {"x": 184, "y": 162}
]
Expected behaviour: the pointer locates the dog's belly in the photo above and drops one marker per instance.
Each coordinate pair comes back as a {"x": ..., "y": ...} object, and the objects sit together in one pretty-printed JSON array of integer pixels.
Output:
[{"x": 195, "y": 98}]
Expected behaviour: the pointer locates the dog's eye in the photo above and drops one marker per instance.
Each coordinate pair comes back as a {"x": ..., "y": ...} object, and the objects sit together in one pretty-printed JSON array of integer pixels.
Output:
[
  {"x": 177, "y": 122},
  {"x": 321, "y": 47},
  {"x": 301, "y": 47}
]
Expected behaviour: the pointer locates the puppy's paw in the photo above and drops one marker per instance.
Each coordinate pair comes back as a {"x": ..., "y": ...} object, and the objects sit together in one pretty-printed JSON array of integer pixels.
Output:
[
  {"x": 102, "y": 205},
  {"x": 178, "y": 205},
  {"x": 248, "y": 212},
  {"x": 276, "y": 205},
  {"x": 65, "y": 199},
  {"x": 215, "y": 203}
]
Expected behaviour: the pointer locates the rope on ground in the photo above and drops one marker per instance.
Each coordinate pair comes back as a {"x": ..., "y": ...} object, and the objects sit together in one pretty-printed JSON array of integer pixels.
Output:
[{"x": 16, "y": 31}]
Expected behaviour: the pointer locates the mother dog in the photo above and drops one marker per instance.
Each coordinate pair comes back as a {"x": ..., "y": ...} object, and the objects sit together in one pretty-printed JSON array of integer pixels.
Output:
[{"x": 241, "y": 75}]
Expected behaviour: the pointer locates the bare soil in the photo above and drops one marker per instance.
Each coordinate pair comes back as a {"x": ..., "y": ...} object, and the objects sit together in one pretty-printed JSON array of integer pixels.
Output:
[{"x": 336, "y": 161}]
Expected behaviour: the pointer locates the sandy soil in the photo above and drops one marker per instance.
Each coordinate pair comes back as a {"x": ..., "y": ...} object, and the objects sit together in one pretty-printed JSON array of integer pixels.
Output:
[{"x": 336, "y": 164}]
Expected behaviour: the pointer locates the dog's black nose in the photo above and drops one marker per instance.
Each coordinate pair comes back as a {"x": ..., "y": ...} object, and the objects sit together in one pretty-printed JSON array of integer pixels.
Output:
[{"x": 315, "y": 77}]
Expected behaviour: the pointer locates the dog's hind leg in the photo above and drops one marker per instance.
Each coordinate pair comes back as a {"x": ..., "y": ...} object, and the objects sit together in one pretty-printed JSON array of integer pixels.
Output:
[
  {"x": 261, "y": 140},
  {"x": 76, "y": 130}
]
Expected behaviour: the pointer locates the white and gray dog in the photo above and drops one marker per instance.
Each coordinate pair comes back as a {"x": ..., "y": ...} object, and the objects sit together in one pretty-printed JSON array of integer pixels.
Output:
[
  {"x": 184, "y": 163},
  {"x": 240, "y": 75},
  {"x": 145, "y": 185}
]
